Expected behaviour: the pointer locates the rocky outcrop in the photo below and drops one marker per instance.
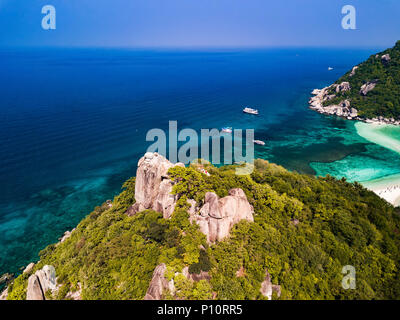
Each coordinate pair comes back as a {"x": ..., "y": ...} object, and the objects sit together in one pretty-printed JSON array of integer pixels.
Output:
[
  {"x": 4, "y": 294},
  {"x": 203, "y": 275},
  {"x": 132, "y": 210},
  {"x": 193, "y": 207},
  {"x": 295, "y": 222},
  {"x": 40, "y": 282},
  {"x": 152, "y": 170},
  {"x": 343, "y": 87},
  {"x": 7, "y": 277},
  {"x": 353, "y": 71},
  {"x": 218, "y": 216},
  {"x": 241, "y": 272},
  {"x": 385, "y": 58},
  {"x": 267, "y": 288},
  {"x": 29, "y": 268},
  {"x": 153, "y": 189},
  {"x": 75, "y": 295},
  {"x": 34, "y": 290},
  {"x": 343, "y": 109},
  {"x": 158, "y": 284},
  {"x": 353, "y": 113},
  {"x": 165, "y": 202},
  {"x": 153, "y": 186},
  {"x": 195, "y": 277},
  {"x": 66, "y": 235},
  {"x": 367, "y": 87},
  {"x": 109, "y": 203}
]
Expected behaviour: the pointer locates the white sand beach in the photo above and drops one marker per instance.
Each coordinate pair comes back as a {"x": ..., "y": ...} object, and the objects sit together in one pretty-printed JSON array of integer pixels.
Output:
[
  {"x": 388, "y": 136},
  {"x": 387, "y": 188}
]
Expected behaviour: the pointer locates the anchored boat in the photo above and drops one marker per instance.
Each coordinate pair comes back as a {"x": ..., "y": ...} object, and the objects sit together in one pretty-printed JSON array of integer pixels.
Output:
[
  {"x": 250, "y": 110},
  {"x": 261, "y": 143},
  {"x": 227, "y": 129}
]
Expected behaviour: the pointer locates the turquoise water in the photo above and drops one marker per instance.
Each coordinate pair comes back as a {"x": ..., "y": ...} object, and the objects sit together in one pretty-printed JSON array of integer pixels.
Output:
[{"x": 73, "y": 124}]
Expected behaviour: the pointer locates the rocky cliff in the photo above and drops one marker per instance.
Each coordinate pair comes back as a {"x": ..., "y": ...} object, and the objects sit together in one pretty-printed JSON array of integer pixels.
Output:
[
  {"x": 217, "y": 216},
  {"x": 40, "y": 282},
  {"x": 4, "y": 294},
  {"x": 158, "y": 284},
  {"x": 267, "y": 288},
  {"x": 153, "y": 189},
  {"x": 341, "y": 109},
  {"x": 153, "y": 186}
]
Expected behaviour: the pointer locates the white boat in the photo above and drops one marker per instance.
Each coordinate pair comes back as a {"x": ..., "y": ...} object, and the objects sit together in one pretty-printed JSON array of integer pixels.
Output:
[
  {"x": 227, "y": 129},
  {"x": 250, "y": 110},
  {"x": 330, "y": 68},
  {"x": 261, "y": 143}
]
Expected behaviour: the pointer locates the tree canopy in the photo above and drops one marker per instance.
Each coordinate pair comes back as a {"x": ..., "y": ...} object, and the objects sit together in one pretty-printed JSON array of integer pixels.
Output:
[{"x": 306, "y": 229}]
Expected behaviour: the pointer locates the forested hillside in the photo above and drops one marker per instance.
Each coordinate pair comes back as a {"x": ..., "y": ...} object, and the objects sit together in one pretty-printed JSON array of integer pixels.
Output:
[
  {"x": 305, "y": 230},
  {"x": 381, "y": 72}
]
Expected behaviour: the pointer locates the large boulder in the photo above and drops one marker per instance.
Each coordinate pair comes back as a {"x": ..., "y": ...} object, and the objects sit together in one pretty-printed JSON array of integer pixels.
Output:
[
  {"x": 158, "y": 284},
  {"x": 343, "y": 87},
  {"x": 267, "y": 288},
  {"x": 67, "y": 234},
  {"x": 367, "y": 87},
  {"x": 329, "y": 97},
  {"x": 29, "y": 268},
  {"x": 75, "y": 295},
  {"x": 385, "y": 58},
  {"x": 7, "y": 277},
  {"x": 218, "y": 216},
  {"x": 165, "y": 201},
  {"x": 196, "y": 277},
  {"x": 40, "y": 282},
  {"x": 4, "y": 294},
  {"x": 353, "y": 113},
  {"x": 152, "y": 169},
  {"x": 353, "y": 71},
  {"x": 34, "y": 291},
  {"x": 345, "y": 104},
  {"x": 153, "y": 187}
]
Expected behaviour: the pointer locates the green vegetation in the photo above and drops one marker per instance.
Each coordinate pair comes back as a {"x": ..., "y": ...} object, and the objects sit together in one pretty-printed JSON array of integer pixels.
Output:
[
  {"x": 384, "y": 99},
  {"x": 113, "y": 256}
]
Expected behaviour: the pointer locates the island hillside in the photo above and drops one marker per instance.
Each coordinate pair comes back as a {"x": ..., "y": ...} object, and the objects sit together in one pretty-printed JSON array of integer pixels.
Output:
[
  {"x": 202, "y": 232},
  {"x": 369, "y": 91}
]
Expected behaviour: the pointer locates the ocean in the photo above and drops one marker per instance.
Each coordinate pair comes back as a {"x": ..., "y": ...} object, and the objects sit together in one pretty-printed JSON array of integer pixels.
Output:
[{"x": 74, "y": 121}]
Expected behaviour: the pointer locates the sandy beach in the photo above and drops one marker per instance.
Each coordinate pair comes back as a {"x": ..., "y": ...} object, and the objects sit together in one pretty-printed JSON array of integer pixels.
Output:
[
  {"x": 387, "y": 136},
  {"x": 387, "y": 188}
]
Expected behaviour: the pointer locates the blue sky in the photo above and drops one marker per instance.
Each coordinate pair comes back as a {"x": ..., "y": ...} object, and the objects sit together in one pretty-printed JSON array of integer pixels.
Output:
[{"x": 193, "y": 23}]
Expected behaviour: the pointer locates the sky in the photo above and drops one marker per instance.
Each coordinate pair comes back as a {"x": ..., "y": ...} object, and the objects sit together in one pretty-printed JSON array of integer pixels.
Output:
[{"x": 199, "y": 23}]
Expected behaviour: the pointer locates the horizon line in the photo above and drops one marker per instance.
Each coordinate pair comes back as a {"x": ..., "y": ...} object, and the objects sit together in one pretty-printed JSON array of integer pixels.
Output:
[{"x": 193, "y": 47}]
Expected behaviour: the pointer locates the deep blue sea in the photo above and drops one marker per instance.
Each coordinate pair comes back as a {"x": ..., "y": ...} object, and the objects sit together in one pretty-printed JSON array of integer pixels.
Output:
[{"x": 73, "y": 124}]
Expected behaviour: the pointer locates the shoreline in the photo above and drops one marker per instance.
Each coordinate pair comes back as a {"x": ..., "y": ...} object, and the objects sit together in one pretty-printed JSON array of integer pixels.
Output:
[
  {"x": 386, "y": 187},
  {"x": 343, "y": 109},
  {"x": 385, "y": 135}
]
